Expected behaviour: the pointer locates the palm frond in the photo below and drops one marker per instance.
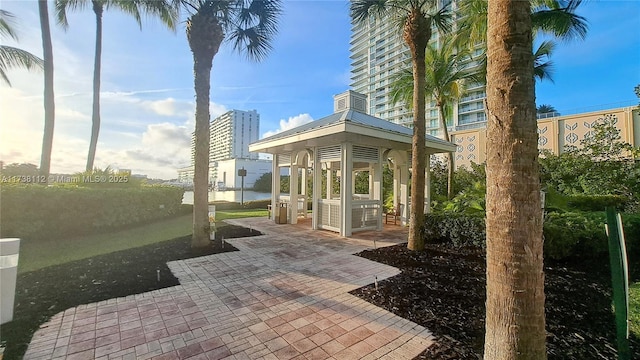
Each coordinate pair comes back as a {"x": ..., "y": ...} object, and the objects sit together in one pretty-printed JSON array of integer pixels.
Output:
[
  {"x": 253, "y": 27},
  {"x": 361, "y": 10},
  {"x": 62, "y": 6},
  {"x": 472, "y": 23},
  {"x": 7, "y": 24},
  {"x": 559, "y": 19},
  {"x": 11, "y": 57},
  {"x": 401, "y": 90},
  {"x": 542, "y": 66},
  {"x": 129, "y": 7}
]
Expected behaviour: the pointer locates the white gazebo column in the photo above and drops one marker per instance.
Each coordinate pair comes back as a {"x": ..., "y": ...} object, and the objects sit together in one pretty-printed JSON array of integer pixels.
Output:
[
  {"x": 275, "y": 186},
  {"x": 371, "y": 182},
  {"x": 396, "y": 183},
  {"x": 427, "y": 185},
  {"x": 404, "y": 192},
  {"x": 303, "y": 186},
  {"x": 293, "y": 191},
  {"x": 317, "y": 190},
  {"x": 376, "y": 193},
  {"x": 329, "y": 181},
  {"x": 346, "y": 196}
]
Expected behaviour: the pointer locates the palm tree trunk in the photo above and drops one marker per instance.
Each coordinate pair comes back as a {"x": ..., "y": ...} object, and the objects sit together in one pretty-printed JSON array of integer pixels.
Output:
[
  {"x": 95, "y": 116},
  {"x": 205, "y": 35},
  {"x": 202, "y": 78},
  {"x": 515, "y": 323},
  {"x": 49, "y": 98},
  {"x": 416, "y": 33},
  {"x": 445, "y": 132}
]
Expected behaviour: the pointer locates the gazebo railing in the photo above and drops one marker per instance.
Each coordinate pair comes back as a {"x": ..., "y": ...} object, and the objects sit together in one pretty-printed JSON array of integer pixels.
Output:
[
  {"x": 365, "y": 214},
  {"x": 329, "y": 214}
]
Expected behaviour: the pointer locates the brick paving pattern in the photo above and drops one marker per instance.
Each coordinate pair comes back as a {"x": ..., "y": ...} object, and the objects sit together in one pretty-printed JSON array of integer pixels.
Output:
[{"x": 284, "y": 295}]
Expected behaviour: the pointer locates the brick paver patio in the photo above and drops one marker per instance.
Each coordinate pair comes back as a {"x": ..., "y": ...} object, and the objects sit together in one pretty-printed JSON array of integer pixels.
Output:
[{"x": 284, "y": 295}]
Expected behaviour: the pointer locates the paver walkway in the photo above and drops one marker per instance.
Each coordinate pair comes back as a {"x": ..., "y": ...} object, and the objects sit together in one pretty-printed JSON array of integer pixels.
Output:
[{"x": 284, "y": 295}]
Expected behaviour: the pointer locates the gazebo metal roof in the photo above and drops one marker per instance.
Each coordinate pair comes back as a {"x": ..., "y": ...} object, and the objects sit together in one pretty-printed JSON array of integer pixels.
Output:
[{"x": 351, "y": 125}]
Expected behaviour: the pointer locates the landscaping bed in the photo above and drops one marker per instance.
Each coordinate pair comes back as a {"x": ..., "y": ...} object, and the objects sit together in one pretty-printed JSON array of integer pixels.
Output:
[
  {"x": 43, "y": 293},
  {"x": 443, "y": 289}
]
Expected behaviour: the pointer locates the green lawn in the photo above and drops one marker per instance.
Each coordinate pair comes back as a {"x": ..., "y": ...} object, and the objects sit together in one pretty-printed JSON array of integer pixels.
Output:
[{"x": 39, "y": 254}]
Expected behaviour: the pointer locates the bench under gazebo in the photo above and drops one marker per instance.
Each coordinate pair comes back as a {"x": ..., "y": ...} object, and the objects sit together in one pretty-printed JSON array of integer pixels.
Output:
[{"x": 338, "y": 148}]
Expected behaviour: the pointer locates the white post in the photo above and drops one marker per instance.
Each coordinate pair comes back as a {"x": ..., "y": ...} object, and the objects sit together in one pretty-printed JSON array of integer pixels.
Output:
[
  {"x": 275, "y": 186},
  {"x": 293, "y": 191},
  {"x": 303, "y": 187},
  {"x": 372, "y": 185},
  {"x": 404, "y": 192},
  {"x": 9, "y": 253},
  {"x": 427, "y": 185},
  {"x": 317, "y": 190},
  {"x": 396, "y": 184},
  {"x": 376, "y": 194},
  {"x": 329, "y": 181},
  {"x": 346, "y": 196}
]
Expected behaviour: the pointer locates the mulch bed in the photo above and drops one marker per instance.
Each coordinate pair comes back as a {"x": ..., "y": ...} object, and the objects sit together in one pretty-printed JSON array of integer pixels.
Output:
[
  {"x": 443, "y": 289},
  {"x": 43, "y": 293}
]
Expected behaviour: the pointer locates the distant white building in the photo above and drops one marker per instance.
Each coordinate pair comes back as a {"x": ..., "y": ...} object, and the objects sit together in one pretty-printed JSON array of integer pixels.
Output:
[{"x": 230, "y": 136}]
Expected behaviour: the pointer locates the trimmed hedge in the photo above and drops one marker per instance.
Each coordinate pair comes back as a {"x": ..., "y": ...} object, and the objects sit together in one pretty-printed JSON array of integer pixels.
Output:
[
  {"x": 255, "y": 204},
  {"x": 567, "y": 234},
  {"x": 38, "y": 212},
  {"x": 596, "y": 202}
]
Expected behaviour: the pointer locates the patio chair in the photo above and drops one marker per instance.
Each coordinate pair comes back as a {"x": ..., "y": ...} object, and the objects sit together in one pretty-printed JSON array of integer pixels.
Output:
[{"x": 394, "y": 214}]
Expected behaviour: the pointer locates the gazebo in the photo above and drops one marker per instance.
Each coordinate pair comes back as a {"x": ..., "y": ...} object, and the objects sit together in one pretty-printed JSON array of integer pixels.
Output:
[{"x": 338, "y": 147}]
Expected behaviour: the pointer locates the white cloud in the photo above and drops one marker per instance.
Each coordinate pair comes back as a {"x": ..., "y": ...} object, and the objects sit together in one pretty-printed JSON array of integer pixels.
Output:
[
  {"x": 162, "y": 149},
  {"x": 292, "y": 122}
]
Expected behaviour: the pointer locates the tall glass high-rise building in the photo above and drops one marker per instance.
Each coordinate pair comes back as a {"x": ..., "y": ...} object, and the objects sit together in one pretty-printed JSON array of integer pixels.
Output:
[{"x": 378, "y": 52}]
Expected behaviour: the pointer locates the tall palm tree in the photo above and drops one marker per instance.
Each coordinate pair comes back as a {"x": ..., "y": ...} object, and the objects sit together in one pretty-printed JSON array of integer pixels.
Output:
[
  {"x": 49, "y": 98},
  {"x": 250, "y": 26},
  {"x": 159, "y": 8},
  {"x": 515, "y": 323},
  {"x": 416, "y": 18},
  {"x": 445, "y": 79},
  {"x": 12, "y": 57}
]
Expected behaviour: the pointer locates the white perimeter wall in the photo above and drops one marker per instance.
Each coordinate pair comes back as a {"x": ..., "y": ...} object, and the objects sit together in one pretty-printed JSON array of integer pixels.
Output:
[{"x": 255, "y": 169}]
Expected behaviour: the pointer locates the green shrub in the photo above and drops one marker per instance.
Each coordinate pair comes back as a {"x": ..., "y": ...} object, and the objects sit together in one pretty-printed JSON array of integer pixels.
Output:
[
  {"x": 459, "y": 229},
  {"x": 36, "y": 212},
  {"x": 574, "y": 234},
  {"x": 566, "y": 234},
  {"x": 596, "y": 202}
]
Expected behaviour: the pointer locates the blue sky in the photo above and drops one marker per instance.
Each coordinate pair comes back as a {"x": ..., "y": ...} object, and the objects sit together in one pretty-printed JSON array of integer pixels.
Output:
[{"x": 147, "y": 81}]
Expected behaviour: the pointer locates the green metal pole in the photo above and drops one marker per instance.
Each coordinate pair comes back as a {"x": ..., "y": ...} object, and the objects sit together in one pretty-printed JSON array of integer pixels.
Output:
[{"x": 619, "y": 281}]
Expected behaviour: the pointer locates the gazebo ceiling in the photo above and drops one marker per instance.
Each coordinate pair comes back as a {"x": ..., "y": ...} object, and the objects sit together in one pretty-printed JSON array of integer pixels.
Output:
[{"x": 346, "y": 126}]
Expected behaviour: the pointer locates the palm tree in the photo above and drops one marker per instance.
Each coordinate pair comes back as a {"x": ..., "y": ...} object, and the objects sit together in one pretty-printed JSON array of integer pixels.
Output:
[
  {"x": 445, "y": 79},
  {"x": 12, "y": 57},
  {"x": 416, "y": 19},
  {"x": 249, "y": 25},
  {"x": 160, "y": 8},
  {"x": 49, "y": 98},
  {"x": 515, "y": 323},
  {"x": 545, "y": 109}
]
